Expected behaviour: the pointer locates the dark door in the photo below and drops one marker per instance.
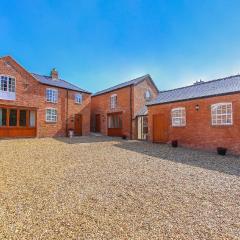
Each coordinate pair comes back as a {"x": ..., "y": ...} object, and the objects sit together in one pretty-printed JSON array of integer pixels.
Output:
[
  {"x": 78, "y": 125},
  {"x": 98, "y": 123},
  {"x": 160, "y": 128}
]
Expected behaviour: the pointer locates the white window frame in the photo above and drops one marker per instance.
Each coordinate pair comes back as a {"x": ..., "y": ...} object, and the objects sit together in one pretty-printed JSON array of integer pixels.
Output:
[
  {"x": 78, "y": 98},
  {"x": 181, "y": 119},
  {"x": 10, "y": 92},
  {"x": 113, "y": 101},
  {"x": 218, "y": 117},
  {"x": 53, "y": 116},
  {"x": 53, "y": 98}
]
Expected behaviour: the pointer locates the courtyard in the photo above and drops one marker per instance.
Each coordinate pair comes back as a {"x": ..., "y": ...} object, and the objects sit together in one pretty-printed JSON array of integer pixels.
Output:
[{"x": 109, "y": 188}]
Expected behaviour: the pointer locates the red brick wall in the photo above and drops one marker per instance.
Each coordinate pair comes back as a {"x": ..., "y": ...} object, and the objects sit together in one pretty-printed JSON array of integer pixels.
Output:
[
  {"x": 198, "y": 132},
  {"x": 34, "y": 96},
  {"x": 101, "y": 105}
]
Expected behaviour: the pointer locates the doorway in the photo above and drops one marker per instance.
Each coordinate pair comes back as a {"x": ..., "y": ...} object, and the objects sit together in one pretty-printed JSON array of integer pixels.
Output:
[
  {"x": 160, "y": 128},
  {"x": 78, "y": 125},
  {"x": 142, "y": 127},
  {"x": 97, "y": 123}
]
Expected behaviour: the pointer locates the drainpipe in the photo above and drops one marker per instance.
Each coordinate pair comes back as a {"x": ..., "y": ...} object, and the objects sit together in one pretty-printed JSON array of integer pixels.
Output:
[
  {"x": 67, "y": 116},
  {"x": 131, "y": 111}
]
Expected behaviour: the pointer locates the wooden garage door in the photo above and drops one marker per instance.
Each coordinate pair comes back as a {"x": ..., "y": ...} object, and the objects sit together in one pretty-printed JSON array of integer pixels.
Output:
[
  {"x": 160, "y": 128},
  {"x": 115, "y": 124},
  {"x": 17, "y": 122}
]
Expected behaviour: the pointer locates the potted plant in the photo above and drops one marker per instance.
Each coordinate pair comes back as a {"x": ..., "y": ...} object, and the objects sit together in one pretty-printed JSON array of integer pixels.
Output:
[
  {"x": 124, "y": 137},
  {"x": 174, "y": 143},
  {"x": 222, "y": 151},
  {"x": 70, "y": 132}
]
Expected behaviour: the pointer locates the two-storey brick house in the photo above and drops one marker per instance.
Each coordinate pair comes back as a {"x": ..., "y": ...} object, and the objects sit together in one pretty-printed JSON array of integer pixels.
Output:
[
  {"x": 121, "y": 110},
  {"x": 43, "y": 106}
]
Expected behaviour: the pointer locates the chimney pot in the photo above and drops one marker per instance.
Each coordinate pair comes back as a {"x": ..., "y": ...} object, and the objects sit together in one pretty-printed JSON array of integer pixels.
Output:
[{"x": 54, "y": 74}]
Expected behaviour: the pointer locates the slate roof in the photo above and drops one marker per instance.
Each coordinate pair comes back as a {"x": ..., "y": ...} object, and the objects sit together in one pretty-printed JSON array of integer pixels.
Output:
[
  {"x": 204, "y": 89},
  {"x": 143, "y": 111},
  {"x": 57, "y": 83},
  {"x": 126, "y": 84}
]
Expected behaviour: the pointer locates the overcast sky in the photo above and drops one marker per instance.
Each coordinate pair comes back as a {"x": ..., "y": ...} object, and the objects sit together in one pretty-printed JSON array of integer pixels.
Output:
[{"x": 99, "y": 43}]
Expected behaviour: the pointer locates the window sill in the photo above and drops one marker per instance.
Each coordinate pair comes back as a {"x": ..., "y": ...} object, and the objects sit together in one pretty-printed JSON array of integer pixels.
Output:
[
  {"x": 222, "y": 126},
  {"x": 51, "y": 102},
  {"x": 179, "y": 126},
  {"x": 50, "y": 122}
]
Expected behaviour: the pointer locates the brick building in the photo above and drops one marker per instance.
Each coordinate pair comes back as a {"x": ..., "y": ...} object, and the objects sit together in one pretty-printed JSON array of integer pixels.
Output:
[
  {"x": 204, "y": 115},
  {"x": 43, "y": 106},
  {"x": 121, "y": 110}
]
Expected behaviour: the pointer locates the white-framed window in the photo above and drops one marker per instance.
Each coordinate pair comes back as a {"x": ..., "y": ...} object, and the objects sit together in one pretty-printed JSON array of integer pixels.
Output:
[
  {"x": 78, "y": 98},
  {"x": 51, "y": 115},
  {"x": 179, "y": 117},
  {"x": 222, "y": 114},
  {"x": 7, "y": 87},
  {"x": 51, "y": 95},
  {"x": 147, "y": 95},
  {"x": 113, "y": 101}
]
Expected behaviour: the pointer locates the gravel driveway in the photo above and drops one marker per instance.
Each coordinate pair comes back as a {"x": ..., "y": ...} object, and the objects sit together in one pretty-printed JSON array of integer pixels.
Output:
[{"x": 105, "y": 188}]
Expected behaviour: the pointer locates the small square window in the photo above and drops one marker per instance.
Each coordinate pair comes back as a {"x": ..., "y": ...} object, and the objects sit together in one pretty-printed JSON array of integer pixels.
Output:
[
  {"x": 222, "y": 114},
  {"x": 178, "y": 117},
  {"x": 52, "y": 95},
  {"x": 51, "y": 115}
]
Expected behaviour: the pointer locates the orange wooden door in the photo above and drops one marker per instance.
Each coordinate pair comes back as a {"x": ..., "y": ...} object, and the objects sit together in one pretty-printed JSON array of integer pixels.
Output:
[
  {"x": 98, "y": 123},
  {"x": 160, "y": 128},
  {"x": 78, "y": 125}
]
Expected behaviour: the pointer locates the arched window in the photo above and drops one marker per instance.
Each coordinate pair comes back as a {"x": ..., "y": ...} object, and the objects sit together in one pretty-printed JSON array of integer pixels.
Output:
[
  {"x": 78, "y": 98},
  {"x": 147, "y": 95},
  {"x": 113, "y": 101},
  {"x": 222, "y": 114},
  {"x": 179, "y": 117}
]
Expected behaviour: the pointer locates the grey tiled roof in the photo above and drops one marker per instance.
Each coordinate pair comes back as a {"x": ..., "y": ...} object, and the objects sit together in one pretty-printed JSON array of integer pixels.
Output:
[
  {"x": 142, "y": 111},
  {"x": 205, "y": 89},
  {"x": 57, "y": 83},
  {"x": 126, "y": 84}
]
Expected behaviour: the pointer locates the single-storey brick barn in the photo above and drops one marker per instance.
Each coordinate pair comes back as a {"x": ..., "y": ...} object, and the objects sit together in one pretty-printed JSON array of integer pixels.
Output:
[{"x": 204, "y": 115}]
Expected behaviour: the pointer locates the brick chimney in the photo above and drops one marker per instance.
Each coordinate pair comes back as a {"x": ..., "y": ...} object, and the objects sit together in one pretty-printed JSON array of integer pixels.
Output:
[{"x": 54, "y": 74}]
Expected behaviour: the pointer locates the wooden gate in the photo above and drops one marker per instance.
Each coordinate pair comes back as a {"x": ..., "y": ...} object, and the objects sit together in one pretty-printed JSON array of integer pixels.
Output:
[
  {"x": 78, "y": 125},
  {"x": 160, "y": 128}
]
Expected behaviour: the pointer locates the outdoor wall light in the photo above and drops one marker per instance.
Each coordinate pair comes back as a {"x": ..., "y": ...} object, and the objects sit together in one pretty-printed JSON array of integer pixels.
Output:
[{"x": 197, "y": 107}]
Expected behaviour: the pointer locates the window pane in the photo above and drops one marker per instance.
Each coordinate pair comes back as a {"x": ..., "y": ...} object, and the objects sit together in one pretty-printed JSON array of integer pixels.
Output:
[
  {"x": 3, "y": 83},
  {"x": 52, "y": 95},
  {"x": 179, "y": 117},
  {"x": 11, "y": 85},
  {"x": 13, "y": 117},
  {"x": 23, "y": 118},
  {"x": 32, "y": 119},
  {"x": 3, "y": 117}
]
